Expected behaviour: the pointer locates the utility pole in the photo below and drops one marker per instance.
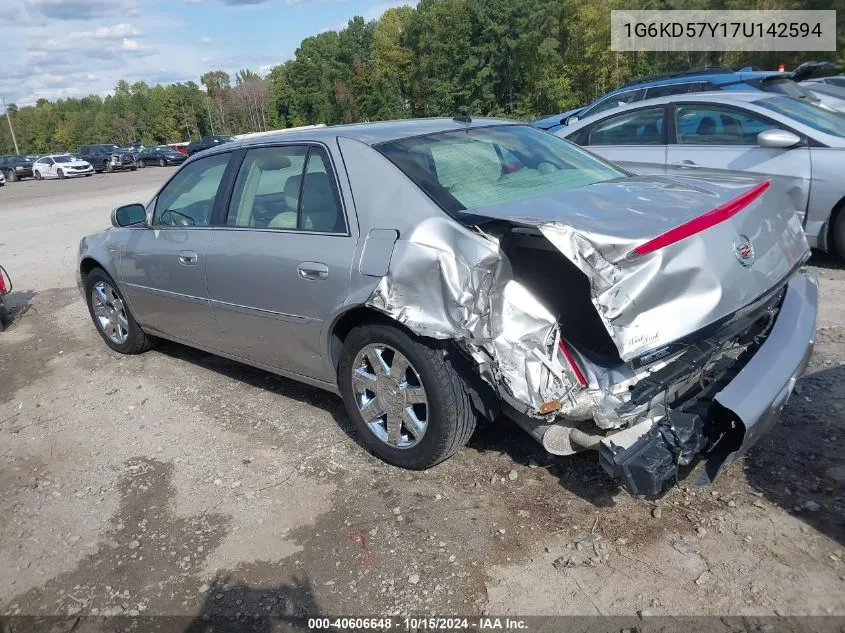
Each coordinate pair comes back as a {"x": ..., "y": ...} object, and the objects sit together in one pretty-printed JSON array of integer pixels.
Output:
[
  {"x": 210, "y": 119},
  {"x": 9, "y": 119}
]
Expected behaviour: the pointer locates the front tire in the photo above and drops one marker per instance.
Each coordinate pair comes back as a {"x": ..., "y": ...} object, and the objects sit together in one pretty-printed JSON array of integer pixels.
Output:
[
  {"x": 109, "y": 167},
  {"x": 112, "y": 316},
  {"x": 60, "y": 174},
  {"x": 11, "y": 176},
  {"x": 406, "y": 398},
  {"x": 161, "y": 162}
]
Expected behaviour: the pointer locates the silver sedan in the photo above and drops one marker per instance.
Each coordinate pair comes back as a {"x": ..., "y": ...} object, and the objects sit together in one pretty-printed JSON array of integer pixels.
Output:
[
  {"x": 433, "y": 272},
  {"x": 713, "y": 134}
]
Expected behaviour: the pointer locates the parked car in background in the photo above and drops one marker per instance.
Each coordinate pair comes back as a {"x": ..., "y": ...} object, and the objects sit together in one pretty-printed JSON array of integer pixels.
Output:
[
  {"x": 15, "y": 167},
  {"x": 716, "y": 134},
  {"x": 182, "y": 148},
  {"x": 60, "y": 166},
  {"x": 207, "y": 142},
  {"x": 685, "y": 82},
  {"x": 837, "y": 80},
  {"x": 162, "y": 155},
  {"x": 107, "y": 157},
  {"x": 831, "y": 95},
  {"x": 655, "y": 320}
]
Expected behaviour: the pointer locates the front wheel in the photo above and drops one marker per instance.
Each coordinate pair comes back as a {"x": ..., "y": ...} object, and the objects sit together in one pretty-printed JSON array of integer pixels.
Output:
[
  {"x": 112, "y": 316},
  {"x": 161, "y": 162},
  {"x": 109, "y": 167},
  {"x": 11, "y": 176},
  {"x": 60, "y": 174},
  {"x": 407, "y": 399}
]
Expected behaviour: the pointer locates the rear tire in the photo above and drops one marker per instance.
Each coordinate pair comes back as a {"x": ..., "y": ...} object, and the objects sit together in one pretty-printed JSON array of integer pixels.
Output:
[
  {"x": 11, "y": 176},
  {"x": 838, "y": 234},
  {"x": 449, "y": 416},
  {"x": 161, "y": 162},
  {"x": 136, "y": 340},
  {"x": 37, "y": 175}
]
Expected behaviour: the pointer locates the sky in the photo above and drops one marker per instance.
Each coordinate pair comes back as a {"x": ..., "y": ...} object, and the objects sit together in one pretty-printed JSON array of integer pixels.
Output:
[{"x": 55, "y": 49}]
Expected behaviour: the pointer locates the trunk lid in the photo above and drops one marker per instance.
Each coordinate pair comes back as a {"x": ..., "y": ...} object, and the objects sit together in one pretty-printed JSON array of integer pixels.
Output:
[{"x": 720, "y": 264}]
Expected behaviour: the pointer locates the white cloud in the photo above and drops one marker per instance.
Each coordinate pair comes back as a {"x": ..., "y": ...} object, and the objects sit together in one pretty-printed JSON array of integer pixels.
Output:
[
  {"x": 206, "y": 40},
  {"x": 81, "y": 9}
]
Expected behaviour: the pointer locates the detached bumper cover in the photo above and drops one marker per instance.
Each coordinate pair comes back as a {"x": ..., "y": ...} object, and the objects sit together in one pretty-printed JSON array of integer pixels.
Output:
[{"x": 745, "y": 408}]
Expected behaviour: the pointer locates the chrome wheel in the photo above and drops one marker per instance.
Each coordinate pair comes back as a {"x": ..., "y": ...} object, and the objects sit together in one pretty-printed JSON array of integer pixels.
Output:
[
  {"x": 109, "y": 312},
  {"x": 390, "y": 396}
]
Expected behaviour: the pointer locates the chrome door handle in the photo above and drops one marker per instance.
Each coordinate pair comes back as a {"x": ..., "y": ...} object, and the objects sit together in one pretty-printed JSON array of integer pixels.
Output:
[
  {"x": 685, "y": 163},
  {"x": 313, "y": 271},
  {"x": 187, "y": 258}
]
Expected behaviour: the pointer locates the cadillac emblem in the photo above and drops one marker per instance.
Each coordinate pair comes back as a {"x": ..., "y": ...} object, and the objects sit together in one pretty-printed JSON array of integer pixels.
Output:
[{"x": 744, "y": 251}]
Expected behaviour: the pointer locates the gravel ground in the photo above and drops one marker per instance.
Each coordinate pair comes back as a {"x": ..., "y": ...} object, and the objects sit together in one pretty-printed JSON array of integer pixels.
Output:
[{"x": 179, "y": 483}]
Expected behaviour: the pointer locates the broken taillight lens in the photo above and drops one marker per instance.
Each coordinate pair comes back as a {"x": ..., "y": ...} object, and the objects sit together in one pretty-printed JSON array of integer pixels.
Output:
[
  {"x": 579, "y": 375},
  {"x": 703, "y": 222}
]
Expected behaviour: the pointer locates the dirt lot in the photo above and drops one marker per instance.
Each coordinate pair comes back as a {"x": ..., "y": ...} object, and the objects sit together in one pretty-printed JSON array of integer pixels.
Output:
[{"x": 182, "y": 484}]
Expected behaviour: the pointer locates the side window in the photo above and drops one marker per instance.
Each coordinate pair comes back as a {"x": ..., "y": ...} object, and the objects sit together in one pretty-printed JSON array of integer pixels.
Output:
[
  {"x": 289, "y": 188},
  {"x": 713, "y": 125},
  {"x": 670, "y": 89},
  {"x": 267, "y": 188},
  {"x": 49, "y": 161},
  {"x": 613, "y": 102},
  {"x": 643, "y": 127},
  {"x": 188, "y": 199},
  {"x": 319, "y": 206}
]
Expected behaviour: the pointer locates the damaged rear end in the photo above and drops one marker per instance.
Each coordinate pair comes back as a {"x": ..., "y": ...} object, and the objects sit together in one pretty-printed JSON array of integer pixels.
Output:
[{"x": 658, "y": 321}]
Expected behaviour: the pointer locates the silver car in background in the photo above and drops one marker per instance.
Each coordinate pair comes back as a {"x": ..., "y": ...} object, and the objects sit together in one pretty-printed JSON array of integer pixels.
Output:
[
  {"x": 437, "y": 271},
  {"x": 708, "y": 135}
]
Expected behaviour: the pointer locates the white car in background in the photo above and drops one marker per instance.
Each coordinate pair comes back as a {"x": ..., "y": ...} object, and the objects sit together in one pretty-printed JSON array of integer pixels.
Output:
[{"x": 60, "y": 166}]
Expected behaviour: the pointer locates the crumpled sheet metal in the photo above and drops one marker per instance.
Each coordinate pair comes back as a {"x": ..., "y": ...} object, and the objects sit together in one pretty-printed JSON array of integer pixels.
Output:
[
  {"x": 447, "y": 282},
  {"x": 652, "y": 300}
]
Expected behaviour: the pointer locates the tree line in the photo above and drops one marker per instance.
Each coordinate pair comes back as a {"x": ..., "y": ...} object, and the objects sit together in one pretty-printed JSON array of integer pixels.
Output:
[{"x": 512, "y": 58}]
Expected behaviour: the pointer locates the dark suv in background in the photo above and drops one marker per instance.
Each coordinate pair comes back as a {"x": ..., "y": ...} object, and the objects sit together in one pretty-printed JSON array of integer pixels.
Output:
[
  {"x": 206, "y": 142},
  {"x": 107, "y": 157},
  {"x": 16, "y": 167}
]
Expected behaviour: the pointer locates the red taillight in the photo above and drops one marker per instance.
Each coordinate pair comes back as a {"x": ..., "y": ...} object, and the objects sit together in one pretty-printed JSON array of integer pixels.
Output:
[
  {"x": 702, "y": 222},
  {"x": 568, "y": 356},
  {"x": 2, "y": 283}
]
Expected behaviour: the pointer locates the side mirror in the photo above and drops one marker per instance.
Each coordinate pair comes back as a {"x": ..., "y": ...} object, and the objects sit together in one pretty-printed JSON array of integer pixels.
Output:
[
  {"x": 572, "y": 119},
  {"x": 779, "y": 139},
  {"x": 129, "y": 215}
]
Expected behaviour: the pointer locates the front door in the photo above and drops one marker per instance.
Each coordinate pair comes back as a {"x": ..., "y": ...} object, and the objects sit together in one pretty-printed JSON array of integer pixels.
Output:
[
  {"x": 163, "y": 266},
  {"x": 715, "y": 140},
  {"x": 635, "y": 140},
  {"x": 281, "y": 261}
]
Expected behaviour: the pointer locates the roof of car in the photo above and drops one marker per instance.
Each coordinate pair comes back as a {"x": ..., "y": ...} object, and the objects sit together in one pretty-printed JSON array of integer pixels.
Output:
[{"x": 372, "y": 133}]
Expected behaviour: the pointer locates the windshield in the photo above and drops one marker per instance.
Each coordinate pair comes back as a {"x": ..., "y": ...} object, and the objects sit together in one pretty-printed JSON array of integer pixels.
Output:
[
  {"x": 809, "y": 114},
  {"x": 484, "y": 166},
  {"x": 63, "y": 159},
  {"x": 25, "y": 159},
  {"x": 787, "y": 87}
]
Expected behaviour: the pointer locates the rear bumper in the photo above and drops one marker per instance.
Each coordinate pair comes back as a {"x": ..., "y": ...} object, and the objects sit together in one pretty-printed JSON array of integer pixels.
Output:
[{"x": 745, "y": 407}]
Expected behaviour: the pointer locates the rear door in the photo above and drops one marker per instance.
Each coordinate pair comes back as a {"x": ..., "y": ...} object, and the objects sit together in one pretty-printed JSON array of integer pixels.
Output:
[
  {"x": 163, "y": 266},
  {"x": 713, "y": 140},
  {"x": 635, "y": 139},
  {"x": 280, "y": 261}
]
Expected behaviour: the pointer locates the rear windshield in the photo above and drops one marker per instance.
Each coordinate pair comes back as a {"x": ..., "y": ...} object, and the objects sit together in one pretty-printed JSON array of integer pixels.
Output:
[
  {"x": 809, "y": 114},
  {"x": 478, "y": 167}
]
